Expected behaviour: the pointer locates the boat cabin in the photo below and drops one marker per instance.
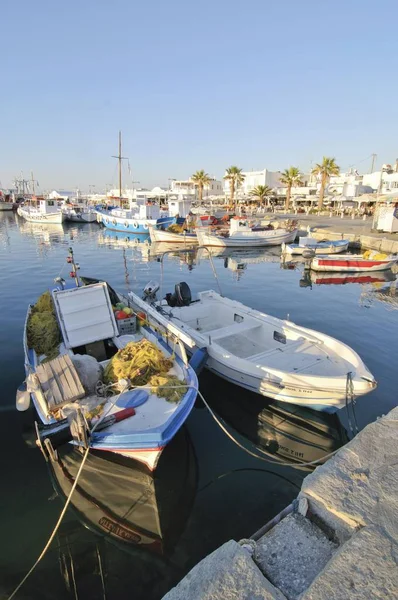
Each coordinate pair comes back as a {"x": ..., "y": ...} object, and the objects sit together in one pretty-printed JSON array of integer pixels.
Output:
[{"x": 180, "y": 206}]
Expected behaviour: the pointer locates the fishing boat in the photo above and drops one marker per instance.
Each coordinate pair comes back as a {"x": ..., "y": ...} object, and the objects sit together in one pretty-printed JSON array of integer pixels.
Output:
[
  {"x": 242, "y": 234},
  {"x": 79, "y": 211},
  {"x": 137, "y": 218},
  {"x": 352, "y": 263},
  {"x": 81, "y": 393},
  {"x": 273, "y": 357},
  {"x": 323, "y": 247},
  {"x": 164, "y": 235},
  {"x": 41, "y": 210},
  {"x": 6, "y": 201}
]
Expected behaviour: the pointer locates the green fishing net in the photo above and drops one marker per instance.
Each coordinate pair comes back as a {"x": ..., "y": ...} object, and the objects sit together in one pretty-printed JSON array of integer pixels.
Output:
[{"x": 43, "y": 332}]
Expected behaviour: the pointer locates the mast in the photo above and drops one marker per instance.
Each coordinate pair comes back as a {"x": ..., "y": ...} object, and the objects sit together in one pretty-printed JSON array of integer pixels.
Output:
[
  {"x": 120, "y": 158},
  {"x": 33, "y": 183}
]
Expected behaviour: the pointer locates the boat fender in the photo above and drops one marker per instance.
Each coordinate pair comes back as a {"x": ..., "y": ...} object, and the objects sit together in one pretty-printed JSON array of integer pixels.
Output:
[
  {"x": 126, "y": 224},
  {"x": 308, "y": 253},
  {"x": 22, "y": 397},
  {"x": 145, "y": 225},
  {"x": 132, "y": 398},
  {"x": 198, "y": 360},
  {"x": 135, "y": 225}
]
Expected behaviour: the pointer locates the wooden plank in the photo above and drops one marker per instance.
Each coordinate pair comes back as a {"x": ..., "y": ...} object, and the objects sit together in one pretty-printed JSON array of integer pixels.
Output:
[
  {"x": 71, "y": 378},
  {"x": 60, "y": 382}
]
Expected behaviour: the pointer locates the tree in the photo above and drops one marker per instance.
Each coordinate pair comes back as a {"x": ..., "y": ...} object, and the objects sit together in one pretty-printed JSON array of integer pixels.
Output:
[
  {"x": 260, "y": 193},
  {"x": 325, "y": 169},
  {"x": 235, "y": 177},
  {"x": 290, "y": 177},
  {"x": 200, "y": 179}
]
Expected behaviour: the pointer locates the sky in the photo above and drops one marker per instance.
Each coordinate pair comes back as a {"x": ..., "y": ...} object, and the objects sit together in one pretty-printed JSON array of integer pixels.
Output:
[{"x": 194, "y": 85}]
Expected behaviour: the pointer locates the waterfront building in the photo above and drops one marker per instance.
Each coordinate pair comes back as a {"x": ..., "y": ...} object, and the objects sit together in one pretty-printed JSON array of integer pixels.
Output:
[{"x": 187, "y": 187}]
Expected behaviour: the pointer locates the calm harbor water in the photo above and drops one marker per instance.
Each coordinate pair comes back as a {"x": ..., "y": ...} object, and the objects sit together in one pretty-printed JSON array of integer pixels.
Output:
[{"x": 206, "y": 489}]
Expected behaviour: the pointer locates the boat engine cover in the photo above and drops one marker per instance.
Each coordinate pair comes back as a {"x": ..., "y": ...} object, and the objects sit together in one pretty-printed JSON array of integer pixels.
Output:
[{"x": 183, "y": 294}]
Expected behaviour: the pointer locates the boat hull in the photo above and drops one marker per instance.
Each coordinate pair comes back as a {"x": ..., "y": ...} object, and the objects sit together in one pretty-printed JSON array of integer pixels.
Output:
[
  {"x": 49, "y": 218},
  {"x": 81, "y": 217},
  {"x": 131, "y": 225},
  {"x": 320, "y": 248},
  {"x": 273, "y": 238},
  {"x": 350, "y": 264},
  {"x": 6, "y": 206},
  {"x": 161, "y": 235}
]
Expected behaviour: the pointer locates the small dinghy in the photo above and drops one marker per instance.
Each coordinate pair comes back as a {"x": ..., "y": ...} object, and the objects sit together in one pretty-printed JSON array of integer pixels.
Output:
[
  {"x": 242, "y": 234},
  {"x": 369, "y": 261},
  {"x": 96, "y": 378},
  {"x": 324, "y": 247},
  {"x": 261, "y": 353},
  {"x": 165, "y": 235}
]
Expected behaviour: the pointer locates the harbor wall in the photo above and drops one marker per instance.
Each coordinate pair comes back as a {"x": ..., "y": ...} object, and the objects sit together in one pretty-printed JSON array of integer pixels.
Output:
[{"x": 339, "y": 541}]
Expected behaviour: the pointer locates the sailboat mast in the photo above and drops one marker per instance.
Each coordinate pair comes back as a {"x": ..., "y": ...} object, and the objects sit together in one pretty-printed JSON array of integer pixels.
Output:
[
  {"x": 33, "y": 183},
  {"x": 120, "y": 166}
]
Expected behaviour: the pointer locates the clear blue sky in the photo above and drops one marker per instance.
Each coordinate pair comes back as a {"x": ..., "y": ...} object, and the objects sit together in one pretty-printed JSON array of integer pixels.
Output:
[{"x": 192, "y": 85}]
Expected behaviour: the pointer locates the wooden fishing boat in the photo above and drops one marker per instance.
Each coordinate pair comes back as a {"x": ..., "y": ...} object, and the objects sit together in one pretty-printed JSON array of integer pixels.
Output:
[
  {"x": 242, "y": 235},
  {"x": 325, "y": 247},
  {"x": 42, "y": 211},
  {"x": 71, "y": 390},
  {"x": 164, "y": 235},
  {"x": 261, "y": 353},
  {"x": 353, "y": 263}
]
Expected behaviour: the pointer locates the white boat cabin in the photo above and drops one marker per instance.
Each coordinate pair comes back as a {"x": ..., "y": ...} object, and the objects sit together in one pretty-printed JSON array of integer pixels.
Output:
[{"x": 180, "y": 206}]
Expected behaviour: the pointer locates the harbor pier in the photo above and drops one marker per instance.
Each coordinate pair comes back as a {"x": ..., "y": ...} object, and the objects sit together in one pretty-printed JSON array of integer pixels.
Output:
[{"x": 338, "y": 540}]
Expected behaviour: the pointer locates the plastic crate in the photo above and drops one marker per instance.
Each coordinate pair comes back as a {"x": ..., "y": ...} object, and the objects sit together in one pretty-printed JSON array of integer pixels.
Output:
[{"x": 126, "y": 326}]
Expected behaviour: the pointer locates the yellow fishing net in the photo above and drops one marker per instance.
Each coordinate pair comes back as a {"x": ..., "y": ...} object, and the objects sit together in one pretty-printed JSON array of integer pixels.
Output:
[
  {"x": 176, "y": 228},
  {"x": 138, "y": 362},
  {"x": 43, "y": 332},
  {"x": 168, "y": 387},
  {"x": 372, "y": 254}
]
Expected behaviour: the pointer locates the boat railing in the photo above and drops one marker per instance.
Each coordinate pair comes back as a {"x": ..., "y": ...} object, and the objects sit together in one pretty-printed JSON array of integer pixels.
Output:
[{"x": 182, "y": 250}]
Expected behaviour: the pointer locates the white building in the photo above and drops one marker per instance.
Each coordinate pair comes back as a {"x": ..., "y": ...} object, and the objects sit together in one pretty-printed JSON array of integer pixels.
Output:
[
  {"x": 61, "y": 195},
  {"x": 188, "y": 187},
  {"x": 253, "y": 179},
  {"x": 384, "y": 181}
]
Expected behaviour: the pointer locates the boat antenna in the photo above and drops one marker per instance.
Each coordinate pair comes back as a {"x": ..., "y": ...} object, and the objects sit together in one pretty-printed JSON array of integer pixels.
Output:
[{"x": 120, "y": 158}]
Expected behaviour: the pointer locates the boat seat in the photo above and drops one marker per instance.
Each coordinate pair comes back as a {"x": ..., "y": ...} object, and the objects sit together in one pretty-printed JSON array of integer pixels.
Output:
[
  {"x": 59, "y": 382},
  {"x": 281, "y": 348},
  {"x": 222, "y": 332}
]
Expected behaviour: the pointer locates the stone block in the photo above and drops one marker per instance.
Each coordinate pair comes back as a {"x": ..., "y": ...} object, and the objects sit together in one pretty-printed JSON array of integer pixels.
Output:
[
  {"x": 359, "y": 485},
  {"x": 364, "y": 568},
  {"x": 293, "y": 553},
  {"x": 229, "y": 573}
]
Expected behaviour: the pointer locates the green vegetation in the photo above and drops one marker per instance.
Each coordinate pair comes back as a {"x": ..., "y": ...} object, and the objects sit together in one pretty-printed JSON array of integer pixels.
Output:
[{"x": 290, "y": 177}]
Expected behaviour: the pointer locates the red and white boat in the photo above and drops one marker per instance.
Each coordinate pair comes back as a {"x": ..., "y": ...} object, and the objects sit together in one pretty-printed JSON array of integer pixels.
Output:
[{"x": 369, "y": 261}]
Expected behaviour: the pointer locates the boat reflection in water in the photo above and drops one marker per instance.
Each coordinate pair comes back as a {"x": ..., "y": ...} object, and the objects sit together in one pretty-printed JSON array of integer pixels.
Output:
[
  {"x": 135, "y": 511},
  {"x": 237, "y": 260},
  {"x": 283, "y": 432},
  {"x": 323, "y": 278}
]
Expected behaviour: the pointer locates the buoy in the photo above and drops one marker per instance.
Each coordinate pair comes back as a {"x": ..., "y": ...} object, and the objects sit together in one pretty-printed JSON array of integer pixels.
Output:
[
  {"x": 23, "y": 398},
  {"x": 308, "y": 253}
]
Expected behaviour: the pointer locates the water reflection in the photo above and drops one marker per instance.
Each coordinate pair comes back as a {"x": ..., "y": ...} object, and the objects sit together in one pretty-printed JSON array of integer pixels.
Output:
[
  {"x": 279, "y": 430},
  {"x": 310, "y": 278},
  {"x": 128, "y": 507}
]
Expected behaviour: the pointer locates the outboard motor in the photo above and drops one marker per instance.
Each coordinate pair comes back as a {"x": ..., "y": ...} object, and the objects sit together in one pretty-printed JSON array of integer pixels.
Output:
[
  {"x": 182, "y": 295},
  {"x": 150, "y": 290}
]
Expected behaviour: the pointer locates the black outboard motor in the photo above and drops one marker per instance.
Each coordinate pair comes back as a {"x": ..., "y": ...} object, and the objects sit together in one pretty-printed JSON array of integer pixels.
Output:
[{"x": 182, "y": 295}]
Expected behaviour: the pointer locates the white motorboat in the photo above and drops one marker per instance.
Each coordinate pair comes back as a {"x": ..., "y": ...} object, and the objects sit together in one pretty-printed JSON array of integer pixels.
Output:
[
  {"x": 5, "y": 204},
  {"x": 243, "y": 235},
  {"x": 78, "y": 212},
  {"x": 164, "y": 235},
  {"x": 261, "y": 353},
  {"x": 308, "y": 243},
  {"x": 43, "y": 211}
]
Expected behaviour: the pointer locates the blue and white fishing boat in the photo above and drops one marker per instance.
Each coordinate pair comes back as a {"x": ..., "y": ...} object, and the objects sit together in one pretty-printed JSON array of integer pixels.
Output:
[
  {"x": 72, "y": 395},
  {"x": 312, "y": 245}
]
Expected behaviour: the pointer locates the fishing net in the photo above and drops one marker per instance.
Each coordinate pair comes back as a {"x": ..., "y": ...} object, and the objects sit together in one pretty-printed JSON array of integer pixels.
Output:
[
  {"x": 138, "y": 362},
  {"x": 168, "y": 387},
  {"x": 43, "y": 332},
  {"x": 372, "y": 254},
  {"x": 176, "y": 228}
]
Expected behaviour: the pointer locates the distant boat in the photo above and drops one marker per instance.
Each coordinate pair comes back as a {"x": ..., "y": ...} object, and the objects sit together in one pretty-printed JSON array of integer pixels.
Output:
[
  {"x": 326, "y": 247},
  {"x": 80, "y": 214},
  {"x": 41, "y": 210},
  {"x": 242, "y": 235},
  {"x": 6, "y": 203},
  {"x": 353, "y": 263}
]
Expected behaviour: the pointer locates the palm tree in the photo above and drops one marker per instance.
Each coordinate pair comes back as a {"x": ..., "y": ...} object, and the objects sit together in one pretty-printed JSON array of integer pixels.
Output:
[
  {"x": 260, "y": 193},
  {"x": 200, "y": 179},
  {"x": 325, "y": 169},
  {"x": 235, "y": 177},
  {"x": 290, "y": 177}
]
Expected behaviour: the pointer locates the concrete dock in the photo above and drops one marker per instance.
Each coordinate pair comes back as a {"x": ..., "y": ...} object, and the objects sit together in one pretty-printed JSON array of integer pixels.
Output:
[
  {"x": 358, "y": 231},
  {"x": 340, "y": 541}
]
